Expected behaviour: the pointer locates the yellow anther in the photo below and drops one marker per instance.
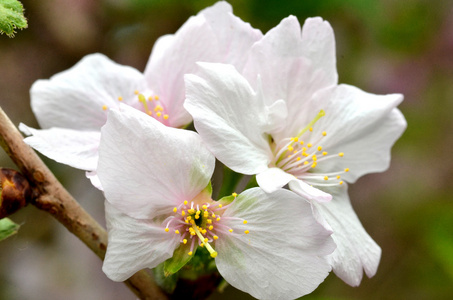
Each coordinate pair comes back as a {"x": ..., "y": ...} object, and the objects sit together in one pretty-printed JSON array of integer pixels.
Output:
[
  {"x": 136, "y": 92},
  {"x": 309, "y": 145},
  {"x": 120, "y": 98},
  {"x": 167, "y": 230},
  {"x": 338, "y": 176},
  {"x": 202, "y": 245},
  {"x": 326, "y": 178},
  {"x": 185, "y": 202},
  {"x": 324, "y": 133},
  {"x": 301, "y": 142},
  {"x": 211, "y": 227},
  {"x": 150, "y": 98},
  {"x": 220, "y": 205},
  {"x": 234, "y": 195},
  {"x": 315, "y": 158},
  {"x": 156, "y": 97},
  {"x": 346, "y": 170},
  {"x": 177, "y": 231},
  {"x": 218, "y": 219},
  {"x": 159, "y": 114},
  {"x": 245, "y": 222},
  {"x": 165, "y": 117},
  {"x": 306, "y": 162},
  {"x": 311, "y": 129},
  {"x": 290, "y": 148},
  {"x": 183, "y": 213},
  {"x": 304, "y": 149},
  {"x": 175, "y": 209},
  {"x": 184, "y": 241},
  {"x": 150, "y": 113},
  {"x": 192, "y": 222},
  {"x": 209, "y": 221},
  {"x": 189, "y": 218},
  {"x": 215, "y": 237},
  {"x": 191, "y": 210},
  {"x": 205, "y": 240},
  {"x": 214, "y": 254},
  {"x": 104, "y": 107},
  {"x": 324, "y": 153},
  {"x": 246, "y": 232},
  {"x": 213, "y": 215},
  {"x": 204, "y": 206},
  {"x": 295, "y": 139},
  {"x": 158, "y": 108},
  {"x": 314, "y": 165},
  {"x": 341, "y": 182},
  {"x": 187, "y": 221},
  {"x": 341, "y": 154},
  {"x": 305, "y": 154},
  {"x": 190, "y": 253},
  {"x": 197, "y": 216},
  {"x": 319, "y": 148},
  {"x": 230, "y": 230}
]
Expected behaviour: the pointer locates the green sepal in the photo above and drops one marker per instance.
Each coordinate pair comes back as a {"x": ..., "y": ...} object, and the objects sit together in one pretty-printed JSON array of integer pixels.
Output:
[
  {"x": 226, "y": 200},
  {"x": 11, "y": 17},
  {"x": 180, "y": 259},
  {"x": 7, "y": 228},
  {"x": 166, "y": 283}
]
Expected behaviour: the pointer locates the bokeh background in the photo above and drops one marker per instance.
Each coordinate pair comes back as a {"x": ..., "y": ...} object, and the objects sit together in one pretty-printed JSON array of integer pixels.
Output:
[{"x": 383, "y": 46}]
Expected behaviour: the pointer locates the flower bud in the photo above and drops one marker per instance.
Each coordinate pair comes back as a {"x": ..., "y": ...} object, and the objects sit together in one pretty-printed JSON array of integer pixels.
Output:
[{"x": 15, "y": 192}]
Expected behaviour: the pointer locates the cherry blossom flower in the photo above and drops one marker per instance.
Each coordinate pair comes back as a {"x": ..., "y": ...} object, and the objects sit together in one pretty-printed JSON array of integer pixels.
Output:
[
  {"x": 287, "y": 120},
  {"x": 72, "y": 106},
  {"x": 157, "y": 206}
]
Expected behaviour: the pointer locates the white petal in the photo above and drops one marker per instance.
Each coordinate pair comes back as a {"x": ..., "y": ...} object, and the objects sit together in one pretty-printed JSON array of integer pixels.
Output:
[
  {"x": 309, "y": 192},
  {"x": 78, "y": 149},
  {"x": 230, "y": 118},
  {"x": 284, "y": 59},
  {"x": 318, "y": 44},
  {"x": 272, "y": 179},
  {"x": 94, "y": 179},
  {"x": 75, "y": 98},
  {"x": 280, "y": 257},
  {"x": 361, "y": 125},
  {"x": 356, "y": 250},
  {"x": 146, "y": 168},
  {"x": 214, "y": 35},
  {"x": 134, "y": 244}
]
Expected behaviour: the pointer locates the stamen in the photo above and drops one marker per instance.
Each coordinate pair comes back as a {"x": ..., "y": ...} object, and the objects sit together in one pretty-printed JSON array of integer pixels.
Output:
[{"x": 104, "y": 107}]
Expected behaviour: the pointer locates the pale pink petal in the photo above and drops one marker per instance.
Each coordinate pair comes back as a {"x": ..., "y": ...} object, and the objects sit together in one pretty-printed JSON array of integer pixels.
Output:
[
  {"x": 272, "y": 179},
  {"x": 356, "y": 250},
  {"x": 309, "y": 192},
  {"x": 147, "y": 168},
  {"x": 230, "y": 117},
  {"x": 214, "y": 35},
  {"x": 281, "y": 257},
  {"x": 75, "y": 98},
  {"x": 363, "y": 126},
  {"x": 78, "y": 149},
  {"x": 134, "y": 244}
]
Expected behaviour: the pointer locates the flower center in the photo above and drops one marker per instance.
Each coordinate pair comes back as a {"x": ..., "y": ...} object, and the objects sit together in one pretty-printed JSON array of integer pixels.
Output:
[
  {"x": 150, "y": 105},
  {"x": 301, "y": 154},
  {"x": 200, "y": 224}
]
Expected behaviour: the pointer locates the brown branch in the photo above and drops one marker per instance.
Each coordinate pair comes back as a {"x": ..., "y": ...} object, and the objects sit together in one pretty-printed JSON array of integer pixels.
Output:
[{"x": 54, "y": 199}]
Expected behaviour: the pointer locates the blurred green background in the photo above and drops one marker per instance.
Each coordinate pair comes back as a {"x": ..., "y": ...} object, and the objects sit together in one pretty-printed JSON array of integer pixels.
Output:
[{"x": 382, "y": 47}]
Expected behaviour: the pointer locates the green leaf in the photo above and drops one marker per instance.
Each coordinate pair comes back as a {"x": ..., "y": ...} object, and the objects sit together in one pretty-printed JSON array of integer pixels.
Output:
[
  {"x": 180, "y": 259},
  {"x": 7, "y": 228},
  {"x": 11, "y": 17}
]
